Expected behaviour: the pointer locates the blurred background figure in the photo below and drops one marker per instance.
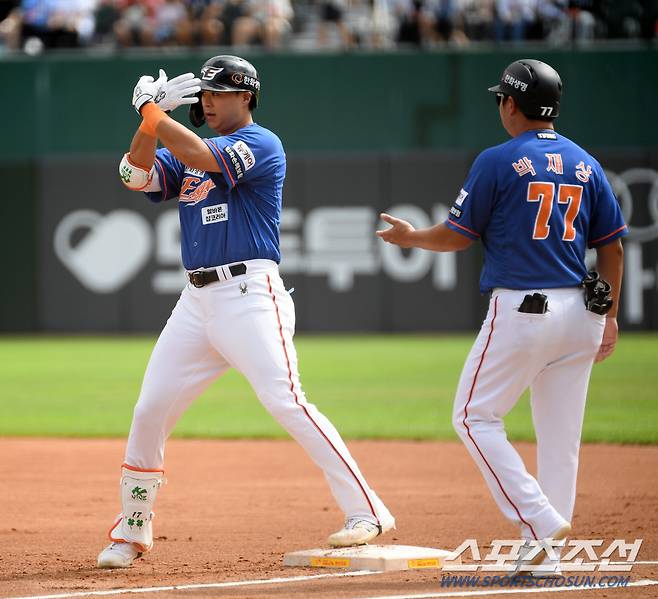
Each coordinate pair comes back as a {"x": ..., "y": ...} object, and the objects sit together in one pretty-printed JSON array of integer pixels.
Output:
[
  {"x": 332, "y": 19},
  {"x": 622, "y": 18},
  {"x": 72, "y": 22},
  {"x": 553, "y": 21},
  {"x": 478, "y": 19},
  {"x": 414, "y": 22},
  {"x": 513, "y": 19},
  {"x": 582, "y": 19},
  {"x": 202, "y": 24},
  {"x": 106, "y": 15},
  {"x": 38, "y": 24},
  {"x": 447, "y": 22},
  {"x": 169, "y": 17},
  {"x": 266, "y": 22},
  {"x": 136, "y": 23},
  {"x": 10, "y": 24},
  {"x": 308, "y": 25}
]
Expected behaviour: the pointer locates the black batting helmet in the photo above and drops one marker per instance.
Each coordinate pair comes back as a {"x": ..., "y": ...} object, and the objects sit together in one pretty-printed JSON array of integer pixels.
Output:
[
  {"x": 226, "y": 73},
  {"x": 535, "y": 86}
]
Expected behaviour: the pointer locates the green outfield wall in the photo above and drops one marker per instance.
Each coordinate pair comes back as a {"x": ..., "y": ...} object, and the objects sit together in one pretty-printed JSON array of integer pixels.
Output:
[
  {"x": 401, "y": 101},
  {"x": 373, "y": 118}
]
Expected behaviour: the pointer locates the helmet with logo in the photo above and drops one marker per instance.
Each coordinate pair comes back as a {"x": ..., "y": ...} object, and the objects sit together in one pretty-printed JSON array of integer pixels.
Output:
[
  {"x": 226, "y": 73},
  {"x": 535, "y": 86}
]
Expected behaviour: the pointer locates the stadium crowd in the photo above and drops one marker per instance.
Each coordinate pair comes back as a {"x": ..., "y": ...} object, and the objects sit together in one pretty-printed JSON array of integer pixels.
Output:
[{"x": 33, "y": 25}]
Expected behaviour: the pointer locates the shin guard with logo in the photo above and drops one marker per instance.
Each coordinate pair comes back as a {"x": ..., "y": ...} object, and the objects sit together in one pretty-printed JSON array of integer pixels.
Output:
[{"x": 138, "y": 492}]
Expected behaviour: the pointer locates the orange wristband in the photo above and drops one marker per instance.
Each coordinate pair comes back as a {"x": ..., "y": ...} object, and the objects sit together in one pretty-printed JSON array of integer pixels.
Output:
[{"x": 152, "y": 115}]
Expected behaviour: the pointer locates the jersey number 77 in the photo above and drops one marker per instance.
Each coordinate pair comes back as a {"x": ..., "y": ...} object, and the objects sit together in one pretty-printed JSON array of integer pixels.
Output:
[{"x": 544, "y": 192}]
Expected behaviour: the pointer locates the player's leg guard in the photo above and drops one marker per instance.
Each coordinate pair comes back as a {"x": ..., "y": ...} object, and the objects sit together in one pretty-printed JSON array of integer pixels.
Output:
[{"x": 138, "y": 492}]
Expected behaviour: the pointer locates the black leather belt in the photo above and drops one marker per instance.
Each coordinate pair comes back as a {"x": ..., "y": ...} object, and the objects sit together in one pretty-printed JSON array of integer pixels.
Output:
[{"x": 201, "y": 278}]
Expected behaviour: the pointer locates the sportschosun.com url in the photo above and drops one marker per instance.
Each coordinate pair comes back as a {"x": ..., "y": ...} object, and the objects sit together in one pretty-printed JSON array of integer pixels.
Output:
[{"x": 459, "y": 582}]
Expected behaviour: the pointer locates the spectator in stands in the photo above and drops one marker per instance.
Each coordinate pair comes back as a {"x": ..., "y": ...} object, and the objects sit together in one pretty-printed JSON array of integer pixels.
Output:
[
  {"x": 332, "y": 14},
  {"x": 622, "y": 18},
  {"x": 37, "y": 24},
  {"x": 31, "y": 22},
  {"x": 512, "y": 19},
  {"x": 71, "y": 22},
  {"x": 264, "y": 21},
  {"x": 414, "y": 22},
  {"x": 40, "y": 24},
  {"x": 202, "y": 25},
  {"x": 10, "y": 23},
  {"x": 554, "y": 21},
  {"x": 168, "y": 17},
  {"x": 478, "y": 18},
  {"x": 447, "y": 22},
  {"x": 106, "y": 15},
  {"x": 136, "y": 23}
]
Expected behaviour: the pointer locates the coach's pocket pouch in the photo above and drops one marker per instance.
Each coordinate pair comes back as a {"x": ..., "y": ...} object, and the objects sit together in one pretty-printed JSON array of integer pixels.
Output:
[{"x": 537, "y": 303}]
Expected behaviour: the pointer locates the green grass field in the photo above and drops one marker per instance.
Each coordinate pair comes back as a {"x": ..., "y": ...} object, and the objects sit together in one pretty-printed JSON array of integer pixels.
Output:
[{"x": 385, "y": 386}]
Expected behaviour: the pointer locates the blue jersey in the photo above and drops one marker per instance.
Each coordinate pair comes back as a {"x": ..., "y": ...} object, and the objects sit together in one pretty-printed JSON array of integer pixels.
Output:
[
  {"x": 536, "y": 202},
  {"x": 232, "y": 215}
]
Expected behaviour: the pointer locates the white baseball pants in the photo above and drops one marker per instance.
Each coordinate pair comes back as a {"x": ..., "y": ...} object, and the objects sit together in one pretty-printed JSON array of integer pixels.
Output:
[
  {"x": 246, "y": 322},
  {"x": 552, "y": 354}
]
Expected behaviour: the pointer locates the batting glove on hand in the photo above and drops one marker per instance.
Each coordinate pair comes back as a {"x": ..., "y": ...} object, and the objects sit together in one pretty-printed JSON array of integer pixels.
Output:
[
  {"x": 148, "y": 90},
  {"x": 175, "y": 93}
]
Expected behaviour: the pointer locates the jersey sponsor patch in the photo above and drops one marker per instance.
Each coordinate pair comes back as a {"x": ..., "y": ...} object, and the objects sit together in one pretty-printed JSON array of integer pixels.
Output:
[
  {"x": 461, "y": 197},
  {"x": 245, "y": 153},
  {"x": 237, "y": 165},
  {"x": 546, "y": 135},
  {"x": 194, "y": 171},
  {"x": 214, "y": 214},
  {"x": 456, "y": 212}
]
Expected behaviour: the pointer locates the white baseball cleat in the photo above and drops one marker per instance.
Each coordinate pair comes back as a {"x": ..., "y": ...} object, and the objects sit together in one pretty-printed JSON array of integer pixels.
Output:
[
  {"x": 118, "y": 555},
  {"x": 358, "y": 531},
  {"x": 524, "y": 564}
]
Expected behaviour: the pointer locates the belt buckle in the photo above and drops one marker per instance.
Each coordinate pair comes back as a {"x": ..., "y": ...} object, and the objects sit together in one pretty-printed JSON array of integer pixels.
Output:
[{"x": 196, "y": 278}]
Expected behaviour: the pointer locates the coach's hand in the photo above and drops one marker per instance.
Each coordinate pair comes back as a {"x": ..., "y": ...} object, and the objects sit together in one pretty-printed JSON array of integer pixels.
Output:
[
  {"x": 609, "y": 341},
  {"x": 399, "y": 231},
  {"x": 148, "y": 90},
  {"x": 178, "y": 91}
]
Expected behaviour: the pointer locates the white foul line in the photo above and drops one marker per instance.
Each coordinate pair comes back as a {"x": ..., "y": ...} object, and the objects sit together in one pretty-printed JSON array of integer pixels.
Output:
[
  {"x": 210, "y": 585},
  {"x": 639, "y": 583},
  {"x": 264, "y": 581}
]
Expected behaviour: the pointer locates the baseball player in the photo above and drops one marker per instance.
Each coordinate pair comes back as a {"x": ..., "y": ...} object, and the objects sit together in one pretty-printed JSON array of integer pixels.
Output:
[
  {"x": 234, "y": 310},
  {"x": 536, "y": 203}
]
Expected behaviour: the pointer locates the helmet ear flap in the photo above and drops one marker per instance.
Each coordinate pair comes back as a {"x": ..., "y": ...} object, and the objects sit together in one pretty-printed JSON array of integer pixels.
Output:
[{"x": 196, "y": 115}]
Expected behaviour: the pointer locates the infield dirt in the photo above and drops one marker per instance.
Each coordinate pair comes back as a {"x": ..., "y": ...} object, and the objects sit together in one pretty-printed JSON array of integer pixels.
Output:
[{"x": 231, "y": 509}]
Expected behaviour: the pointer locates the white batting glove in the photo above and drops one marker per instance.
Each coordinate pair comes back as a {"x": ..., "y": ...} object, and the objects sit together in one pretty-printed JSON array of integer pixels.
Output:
[
  {"x": 147, "y": 90},
  {"x": 178, "y": 91}
]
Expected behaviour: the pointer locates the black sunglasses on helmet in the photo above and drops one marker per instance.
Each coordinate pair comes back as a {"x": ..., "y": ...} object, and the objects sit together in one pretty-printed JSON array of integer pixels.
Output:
[{"x": 500, "y": 98}]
